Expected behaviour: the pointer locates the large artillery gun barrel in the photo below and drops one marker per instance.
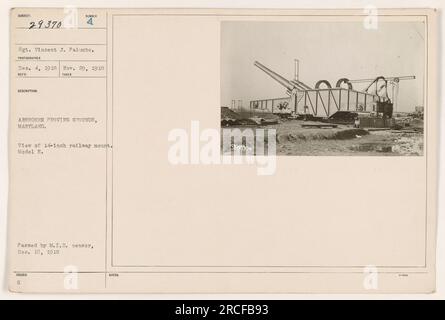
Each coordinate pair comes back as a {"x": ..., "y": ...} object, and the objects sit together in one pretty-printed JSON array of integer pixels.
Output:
[{"x": 283, "y": 81}]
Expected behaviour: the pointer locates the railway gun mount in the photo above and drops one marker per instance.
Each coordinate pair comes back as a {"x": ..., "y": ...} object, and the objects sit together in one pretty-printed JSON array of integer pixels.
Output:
[{"x": 378, "y": 99}]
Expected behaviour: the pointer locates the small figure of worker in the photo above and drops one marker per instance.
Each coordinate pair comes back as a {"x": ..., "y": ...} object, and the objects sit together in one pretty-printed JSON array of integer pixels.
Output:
[
  {"x": 357, "y": 122},
  {"x": 306, "y": 112}
]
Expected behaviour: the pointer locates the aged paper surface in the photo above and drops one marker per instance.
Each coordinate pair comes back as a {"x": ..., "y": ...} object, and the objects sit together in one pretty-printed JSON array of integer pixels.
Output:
[{"x": 121, "y": 179}]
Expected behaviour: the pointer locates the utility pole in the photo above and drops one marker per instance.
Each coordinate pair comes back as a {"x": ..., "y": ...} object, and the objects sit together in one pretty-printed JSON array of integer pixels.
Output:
[{"x": 297, "y": 70}]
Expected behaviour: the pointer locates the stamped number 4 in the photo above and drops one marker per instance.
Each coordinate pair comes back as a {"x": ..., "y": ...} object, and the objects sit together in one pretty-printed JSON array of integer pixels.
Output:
[{"x": 90, "y": 21}]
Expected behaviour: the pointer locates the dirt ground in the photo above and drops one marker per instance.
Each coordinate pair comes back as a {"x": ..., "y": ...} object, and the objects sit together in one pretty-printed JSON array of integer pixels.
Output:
[
  {"x": 375, "y": 144},
  {"x": 293, "y": 139}
]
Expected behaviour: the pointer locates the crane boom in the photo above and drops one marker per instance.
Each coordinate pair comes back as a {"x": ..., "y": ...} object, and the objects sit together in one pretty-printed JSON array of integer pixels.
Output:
[{"x": 387, "y": 78}]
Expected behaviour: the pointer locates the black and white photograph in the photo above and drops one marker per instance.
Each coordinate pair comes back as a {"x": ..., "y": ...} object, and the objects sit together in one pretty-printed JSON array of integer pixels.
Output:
[{"x": 327, "y": 88}]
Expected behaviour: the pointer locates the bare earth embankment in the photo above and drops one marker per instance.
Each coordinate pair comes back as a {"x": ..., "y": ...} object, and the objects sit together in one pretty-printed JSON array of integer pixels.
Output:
[{"x": 293, "y": 139}]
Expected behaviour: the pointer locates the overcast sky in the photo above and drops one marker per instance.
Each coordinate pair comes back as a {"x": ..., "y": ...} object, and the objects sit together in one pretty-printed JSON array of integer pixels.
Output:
[{"x": 326, "y": 50}]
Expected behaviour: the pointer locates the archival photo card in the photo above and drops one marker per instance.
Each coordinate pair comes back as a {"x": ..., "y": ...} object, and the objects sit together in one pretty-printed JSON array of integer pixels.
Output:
[{"x": 223, "y": 150}]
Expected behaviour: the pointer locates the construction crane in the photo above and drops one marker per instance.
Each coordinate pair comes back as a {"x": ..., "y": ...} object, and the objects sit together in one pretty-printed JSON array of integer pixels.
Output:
[{"x": 393, "y": 81}]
